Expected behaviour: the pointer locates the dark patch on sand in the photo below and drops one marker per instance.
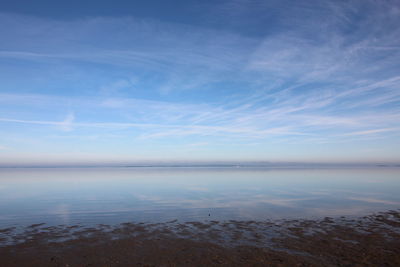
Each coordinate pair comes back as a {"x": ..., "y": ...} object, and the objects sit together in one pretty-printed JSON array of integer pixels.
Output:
[{"x": 368, "y": 241}]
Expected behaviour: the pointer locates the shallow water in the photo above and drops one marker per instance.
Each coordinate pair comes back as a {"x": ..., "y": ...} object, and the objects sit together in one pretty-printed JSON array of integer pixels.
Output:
[{"x": 114, "y": 195}]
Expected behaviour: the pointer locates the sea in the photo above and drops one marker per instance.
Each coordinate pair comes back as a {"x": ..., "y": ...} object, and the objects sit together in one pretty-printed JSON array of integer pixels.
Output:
[{"x": 113, "y": 195}]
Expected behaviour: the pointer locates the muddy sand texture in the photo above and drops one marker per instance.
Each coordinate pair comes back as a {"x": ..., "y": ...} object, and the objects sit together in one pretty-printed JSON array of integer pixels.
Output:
[{"x": 368, "y": 241}]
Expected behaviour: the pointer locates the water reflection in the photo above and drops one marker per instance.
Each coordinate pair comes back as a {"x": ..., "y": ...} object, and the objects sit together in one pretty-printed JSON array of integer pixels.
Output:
[{"x": 114, "y": 195}]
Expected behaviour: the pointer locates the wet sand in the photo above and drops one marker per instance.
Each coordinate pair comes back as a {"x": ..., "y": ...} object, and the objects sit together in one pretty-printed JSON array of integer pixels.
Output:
[{"x": 372, "y": 240}]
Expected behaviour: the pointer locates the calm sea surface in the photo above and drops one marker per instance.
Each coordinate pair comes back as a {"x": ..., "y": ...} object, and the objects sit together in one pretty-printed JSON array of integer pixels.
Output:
[{"x": 115, "y": 195}]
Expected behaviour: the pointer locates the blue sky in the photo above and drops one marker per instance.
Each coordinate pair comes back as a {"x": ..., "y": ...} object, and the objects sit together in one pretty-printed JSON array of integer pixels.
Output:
[{"x": 243, "y": 80}]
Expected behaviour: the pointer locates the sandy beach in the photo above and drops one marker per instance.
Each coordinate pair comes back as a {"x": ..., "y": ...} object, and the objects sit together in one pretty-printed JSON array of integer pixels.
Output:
[{"x": 372, "y": 240}]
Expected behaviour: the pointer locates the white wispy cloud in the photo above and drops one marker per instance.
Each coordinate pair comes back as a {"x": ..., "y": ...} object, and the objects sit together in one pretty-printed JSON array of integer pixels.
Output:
[
  {"x": 374, "y": 131},
  {"x": 282, "y": 118},
  {"x": 67, "y": 123}
]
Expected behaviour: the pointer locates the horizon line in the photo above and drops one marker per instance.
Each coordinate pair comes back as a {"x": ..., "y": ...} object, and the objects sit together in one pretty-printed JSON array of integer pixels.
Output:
[{"x": 203, "y": 164}]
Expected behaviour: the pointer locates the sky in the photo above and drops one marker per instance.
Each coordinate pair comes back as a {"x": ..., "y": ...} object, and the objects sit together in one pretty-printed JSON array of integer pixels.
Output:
[{"x": 195, "y": 80}]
